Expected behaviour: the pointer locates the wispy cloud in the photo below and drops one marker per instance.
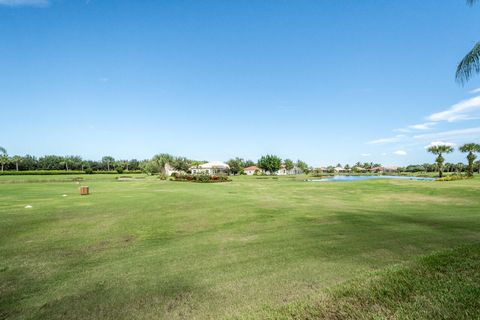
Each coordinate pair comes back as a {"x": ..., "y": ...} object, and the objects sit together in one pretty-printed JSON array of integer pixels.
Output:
[
  {"x": 397, "y": 138},
  {"x": 423, "y": 126},
  {"x": 415, "y": 127},
  {"x": 19, "y": 3},
  {"x": 475, "y": 91},
  {"x": 461, "y": 134},
  {"x": 400, "y": 153},
  {"x": 365, "y": 154},
  {"x": 460, "y": 111}
]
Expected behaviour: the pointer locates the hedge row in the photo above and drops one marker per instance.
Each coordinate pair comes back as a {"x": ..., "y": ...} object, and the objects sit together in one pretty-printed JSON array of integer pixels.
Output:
[
  {"x": 200, "y": 178},
  {"x": 58, "y": 172}
]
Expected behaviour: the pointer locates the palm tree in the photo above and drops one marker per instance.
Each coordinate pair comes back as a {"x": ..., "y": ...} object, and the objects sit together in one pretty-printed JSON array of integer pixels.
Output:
[
  {"x": 17, "y": 160},
  {"x": 3, "y": 157},
  {"x": 471, "y": 148},
  {"x": 161, "y": 160},
  {"x": 470, "y": 64},
  {"x": 108, "y": 160},
  {"x": 439, "y": 150}
]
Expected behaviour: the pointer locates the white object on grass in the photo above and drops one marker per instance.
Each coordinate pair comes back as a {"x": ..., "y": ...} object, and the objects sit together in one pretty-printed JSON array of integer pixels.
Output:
[{"x": 28, "y": 206}]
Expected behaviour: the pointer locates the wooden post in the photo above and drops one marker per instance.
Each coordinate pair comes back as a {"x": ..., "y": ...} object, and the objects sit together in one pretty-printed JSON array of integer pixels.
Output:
[{"x": 84, "y": 191}]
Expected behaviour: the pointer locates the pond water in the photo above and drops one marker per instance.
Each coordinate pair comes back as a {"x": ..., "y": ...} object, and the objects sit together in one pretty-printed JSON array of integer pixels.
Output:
[{"x": 356, "y": 178}]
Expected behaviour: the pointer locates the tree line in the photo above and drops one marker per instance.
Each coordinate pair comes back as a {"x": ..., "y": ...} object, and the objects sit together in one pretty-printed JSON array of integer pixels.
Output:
[
  {"x": 67, "y": 163},
  {"x": 269, "y": 163}
]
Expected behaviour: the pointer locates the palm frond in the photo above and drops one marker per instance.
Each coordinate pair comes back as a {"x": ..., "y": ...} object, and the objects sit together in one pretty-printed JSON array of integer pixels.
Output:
[
  {"x": 471, "y": 2},
  {"x": 469, "y": 66},
  {"x": 3, "y": 150}
]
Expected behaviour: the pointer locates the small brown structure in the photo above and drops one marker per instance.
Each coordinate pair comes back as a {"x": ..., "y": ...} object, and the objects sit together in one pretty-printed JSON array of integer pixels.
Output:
[{"x": 84, "y": 191}]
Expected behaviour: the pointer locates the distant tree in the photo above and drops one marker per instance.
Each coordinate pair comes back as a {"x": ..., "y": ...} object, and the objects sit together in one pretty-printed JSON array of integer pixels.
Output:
[
  {"x": 339, "y": 165},
  {"x": 460, "y": 167},
  {"x": 415, "y": 168},
  {"x": 270, "y": 163},
  {"x": 439, "y": 151},
  {"x": 17, "y": 160},
  {"x": 347, "y": 167},
  {"x": 108, "y": 160},
  {"x": 180, "y": 163},
  {"x": 3, "y": 157},
  {"x": 66, "y": 163},
  {"x": 476, "y": 165},
  {"x": 236, "y": 165},
  {"x": 471, "y": 148},
  {"x": 84, "y": 164},
  {"x": 288, "y": 164},
  {"x": 29, "y": 163},
  {"x": 159, "y": 161},
  {"x": 133, "y": 164},
  {"x": 303, "y": 166},
  {"x": 119, "y": 164},
  {"x": 249, "y": 163}
]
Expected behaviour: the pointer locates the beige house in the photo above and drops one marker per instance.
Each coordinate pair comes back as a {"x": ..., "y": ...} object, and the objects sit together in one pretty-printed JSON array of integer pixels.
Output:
[
  {"x": 390, "y": 169},
  {"x": 283, "y": 171},
  {"x": 341, "y": 170}
]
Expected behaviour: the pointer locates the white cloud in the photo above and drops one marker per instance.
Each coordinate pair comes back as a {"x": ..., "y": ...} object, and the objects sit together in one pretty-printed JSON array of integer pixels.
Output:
[
  {"x": 366, "y": 154},
  {"x": 384, "y": 153},
  {"x": 17, "y": 3},
  {"x": 475, "y": 91},
  {"x": 423, "y": 126},
  {"x": 400, "y": 153},
  {"x": 461, "y": 134},
  {"x": 397, "y": 138},
  {"x": 459, "y": 111},
  {"x": 440, "y": 143}
]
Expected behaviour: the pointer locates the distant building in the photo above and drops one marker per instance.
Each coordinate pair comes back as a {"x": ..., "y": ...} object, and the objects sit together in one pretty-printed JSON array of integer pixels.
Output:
[
  {"x": 210, "y": 168},
  {"x": 384, "y": 169},
  {"x": 340, "y": 170},
  {"x": 283, "y": 171},
  {"x": 250, "y": 171},
  {"x": 169, "y": 170}
]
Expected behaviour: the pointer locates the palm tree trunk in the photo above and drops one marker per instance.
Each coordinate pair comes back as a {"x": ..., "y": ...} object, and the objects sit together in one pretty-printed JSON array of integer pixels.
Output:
[{"x": 16, "y": 165}]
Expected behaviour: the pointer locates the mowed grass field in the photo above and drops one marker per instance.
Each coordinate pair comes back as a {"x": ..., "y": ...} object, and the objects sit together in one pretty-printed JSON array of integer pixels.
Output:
[{"x": 150, "y": 249}]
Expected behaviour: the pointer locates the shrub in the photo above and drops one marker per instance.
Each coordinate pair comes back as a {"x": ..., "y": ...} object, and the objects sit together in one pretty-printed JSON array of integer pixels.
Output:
[
  {"x": 452, "y": 177},
  {"x": 119, "y": 170},
  {"x": 89, "y": 171},
  {"x": 162, "y": 176},
  {"x": 201, "y": 178}
]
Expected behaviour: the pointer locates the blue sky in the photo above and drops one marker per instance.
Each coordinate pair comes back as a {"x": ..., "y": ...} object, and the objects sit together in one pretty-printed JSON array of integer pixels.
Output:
[{"x": 323, "y": 81}]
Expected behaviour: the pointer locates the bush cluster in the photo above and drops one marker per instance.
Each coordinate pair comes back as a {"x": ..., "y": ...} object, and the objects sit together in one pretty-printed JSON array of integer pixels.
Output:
[
  {"x": 202, "y": 178},
  {"x": 453, "y": 177}
]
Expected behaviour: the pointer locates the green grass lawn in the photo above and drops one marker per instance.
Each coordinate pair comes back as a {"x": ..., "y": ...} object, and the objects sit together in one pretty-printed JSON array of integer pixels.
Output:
[{"x": 149, "y": 249}]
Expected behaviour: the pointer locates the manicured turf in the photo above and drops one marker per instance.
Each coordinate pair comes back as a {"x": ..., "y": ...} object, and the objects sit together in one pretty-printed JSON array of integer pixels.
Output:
[{"x": 147, "y": 248}]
